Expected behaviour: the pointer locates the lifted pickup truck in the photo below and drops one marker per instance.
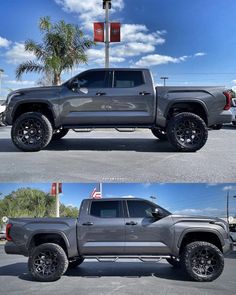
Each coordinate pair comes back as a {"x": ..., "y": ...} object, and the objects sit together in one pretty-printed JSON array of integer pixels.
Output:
[
  {"x": 116, "y": 98},
  {"x": 112, "y": 229}
]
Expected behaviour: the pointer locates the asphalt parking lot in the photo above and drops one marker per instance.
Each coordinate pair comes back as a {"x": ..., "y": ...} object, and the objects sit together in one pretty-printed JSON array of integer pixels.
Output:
[
  {"x": 113, "y": 278},
  {"x": 110, "y": 156}
]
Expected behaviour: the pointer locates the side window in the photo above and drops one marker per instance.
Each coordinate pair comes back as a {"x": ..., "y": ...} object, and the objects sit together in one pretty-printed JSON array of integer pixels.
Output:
[
  {"x": 139, "y": 209},
  {"x": 96, "y": 79},
  {"x": 128, "y": 79},
  {"x": 106, "y": 209}
]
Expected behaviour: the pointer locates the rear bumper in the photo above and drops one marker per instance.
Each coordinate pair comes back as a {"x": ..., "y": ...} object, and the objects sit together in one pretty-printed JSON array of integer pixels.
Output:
[
  {"x": 225, "y": 116},
  {"x": 12, "y": 248},
  {"x": 228, "y": 246}
]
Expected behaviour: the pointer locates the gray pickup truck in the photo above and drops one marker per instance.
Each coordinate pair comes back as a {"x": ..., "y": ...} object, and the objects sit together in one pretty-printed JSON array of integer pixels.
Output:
[
  {"x": 112, "y": 229},
  {"x": 120, "y": 99}
]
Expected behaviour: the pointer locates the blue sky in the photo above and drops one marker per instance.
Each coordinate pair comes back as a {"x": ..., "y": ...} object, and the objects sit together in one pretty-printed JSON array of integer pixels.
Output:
[
  {"x": 191, "y": 42},
  {"x": 201, "y": 199}
]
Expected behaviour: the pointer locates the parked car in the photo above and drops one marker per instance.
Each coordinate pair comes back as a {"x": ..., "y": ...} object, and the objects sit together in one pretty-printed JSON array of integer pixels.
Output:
[
  {"x": 116, "y": 98},
  {"x": 120, "y": 228},
  {"x": 2, "y": 235},
  {"x": 233, "y": 110},
  {"x": 2, "y": 109}
]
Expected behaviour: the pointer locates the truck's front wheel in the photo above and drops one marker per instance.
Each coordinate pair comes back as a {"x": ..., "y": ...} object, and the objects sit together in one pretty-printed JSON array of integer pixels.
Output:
[
  {"x": 32, "y": 131},
  {"x": 187, "y": 132},
  {"x": 202, "y": 261},
  {"x": 47, "y": 262}
]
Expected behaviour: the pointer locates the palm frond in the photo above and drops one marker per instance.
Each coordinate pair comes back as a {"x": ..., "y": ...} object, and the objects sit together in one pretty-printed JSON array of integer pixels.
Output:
[{"x": 28, "y": 66}]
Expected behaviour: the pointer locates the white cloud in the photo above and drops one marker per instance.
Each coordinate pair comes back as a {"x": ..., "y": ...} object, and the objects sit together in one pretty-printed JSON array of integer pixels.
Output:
[
  {"x": 17, "y": 54},
  {"x": 157, "y": 59},
  {"x": 199, "y": 54},
  {"x": 97, "y": 56},
  {"x": 234, "y": 81},
  {"x": 89, "y": 11},
  {"x": 4, "y": 42}
]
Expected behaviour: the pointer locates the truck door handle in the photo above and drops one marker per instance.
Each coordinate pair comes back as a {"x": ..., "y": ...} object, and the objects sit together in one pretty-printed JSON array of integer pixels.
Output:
[
  {"x": 144, "y": 93},
  {"x": 131, "y": 223},
  {"x": 100, "y": 93},
  {"x": 87, "y": 223}
]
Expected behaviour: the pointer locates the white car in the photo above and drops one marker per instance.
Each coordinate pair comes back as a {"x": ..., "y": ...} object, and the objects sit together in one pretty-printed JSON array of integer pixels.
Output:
[
  {"x": 2, "y": 109},
  {"x": 233, "y": 110}
]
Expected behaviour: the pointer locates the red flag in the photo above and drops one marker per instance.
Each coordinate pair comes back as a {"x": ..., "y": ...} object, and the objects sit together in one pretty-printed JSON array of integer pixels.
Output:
[
  {"x": 115, "y": 32},
  {"x": 54, "y": 188},
  {"x": 95, "y": 194},
  {"x": 98, "y": 32}
]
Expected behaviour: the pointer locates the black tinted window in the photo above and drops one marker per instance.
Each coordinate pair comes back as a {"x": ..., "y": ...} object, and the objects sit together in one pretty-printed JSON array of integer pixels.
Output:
[
  {"x": 139, "y": 209},
  {"x": 96, "y": 79},
  {"x": 127, "y": 79},
  {"x": 106, "y": 209}
]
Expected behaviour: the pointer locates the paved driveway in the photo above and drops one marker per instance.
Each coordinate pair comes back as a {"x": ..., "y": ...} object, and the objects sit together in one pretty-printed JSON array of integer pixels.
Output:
[{"x": 109, "y": 156}]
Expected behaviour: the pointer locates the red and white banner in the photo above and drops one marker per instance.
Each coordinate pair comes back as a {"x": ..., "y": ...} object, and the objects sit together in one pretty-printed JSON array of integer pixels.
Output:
[
  {"x": 98, "y": 29},
  {"x": 56, "y": 188},
  {"x": 115, "y": 32},
  {"x": 96, "y": 194}
]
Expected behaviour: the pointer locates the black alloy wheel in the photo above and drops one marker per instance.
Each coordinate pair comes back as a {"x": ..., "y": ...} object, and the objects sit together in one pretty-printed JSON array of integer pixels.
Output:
[
  {"x": 31, "y": 132},
  {"x": 187, "y": 132}
]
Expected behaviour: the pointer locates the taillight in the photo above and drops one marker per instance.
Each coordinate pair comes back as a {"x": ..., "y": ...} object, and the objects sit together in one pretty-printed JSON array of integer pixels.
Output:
[
  {"x": 228, "y": 100},
  {"x": 8, "y": 228}
]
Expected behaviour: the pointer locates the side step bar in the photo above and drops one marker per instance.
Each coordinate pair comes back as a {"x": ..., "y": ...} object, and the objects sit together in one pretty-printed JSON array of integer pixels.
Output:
[{"x": 118, "y": 258}]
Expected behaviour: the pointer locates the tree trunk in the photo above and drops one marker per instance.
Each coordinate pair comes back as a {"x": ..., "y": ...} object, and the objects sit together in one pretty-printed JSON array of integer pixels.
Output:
[{"x": 57, "y": 79}]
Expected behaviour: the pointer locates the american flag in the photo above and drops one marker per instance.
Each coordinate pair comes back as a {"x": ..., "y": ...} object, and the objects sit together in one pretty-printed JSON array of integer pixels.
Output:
[{"x": 96, "y": 194}]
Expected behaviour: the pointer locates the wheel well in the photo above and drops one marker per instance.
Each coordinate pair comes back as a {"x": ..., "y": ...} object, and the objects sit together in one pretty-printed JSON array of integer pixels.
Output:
[
  {"x": 42, "y": 108},
  {"x": 39, "y": 239},
  {"x": 193, "y": 107},
  {"x": 201, "y": 236}
]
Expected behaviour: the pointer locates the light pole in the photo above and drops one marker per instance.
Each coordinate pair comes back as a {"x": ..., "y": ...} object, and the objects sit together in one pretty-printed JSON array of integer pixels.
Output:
[
  {"x": 164, "y": 78},
  {"x": 227, "y": 205},
  {"x": 107, "y": 6},
  {"x": 1, "y": 73}
]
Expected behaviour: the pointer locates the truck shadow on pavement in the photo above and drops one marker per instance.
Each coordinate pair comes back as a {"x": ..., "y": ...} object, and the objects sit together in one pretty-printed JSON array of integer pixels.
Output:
[{"x": 109, "y": 144}]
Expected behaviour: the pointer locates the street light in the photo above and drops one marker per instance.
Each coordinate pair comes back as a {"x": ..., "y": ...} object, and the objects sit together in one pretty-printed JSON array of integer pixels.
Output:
[
  {"x": 1, "y": 73},
  {"x": 107, "y": 5},
  {"x": 227, "y": 205},
  {"x": 164, "y": 78}
]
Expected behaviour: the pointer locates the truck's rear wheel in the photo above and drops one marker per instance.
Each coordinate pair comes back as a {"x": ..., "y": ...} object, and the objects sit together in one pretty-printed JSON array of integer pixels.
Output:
[
  {"x": 76, "y": 262},
  {"x": 159, "y": 133},
  {"x": 48, "y": 262},
  {"x": 59, "y": 133},
  {"x": 31, "y": 132},
  {"x": 202, "y": 261},
  {"x": 187, "y": 132}
]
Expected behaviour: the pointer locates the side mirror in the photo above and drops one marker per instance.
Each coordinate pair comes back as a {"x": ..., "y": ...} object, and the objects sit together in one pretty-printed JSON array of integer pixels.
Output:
[{"x": 156, "y": 213}]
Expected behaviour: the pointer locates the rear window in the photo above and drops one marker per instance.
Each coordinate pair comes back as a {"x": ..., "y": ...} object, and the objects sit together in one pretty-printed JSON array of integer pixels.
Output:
[
  {"x": 105, "y": 209},
  {"x": 128, "y": 79}
]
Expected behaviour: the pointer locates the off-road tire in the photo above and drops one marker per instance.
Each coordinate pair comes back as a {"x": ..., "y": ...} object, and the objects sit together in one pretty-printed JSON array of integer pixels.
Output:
[
  {"x": 159, "y": 133},
  {"x": 59, "y": 133},
  {"x": 234, "y": 123},
  {"x": 174, "y": 262},
  {"x": 75, "y": 263},
  {"x": 32, "y": 131},
  {"x": 187, "y": 132},
  {"x": 196, "y": 256},
  {"x": 50, "y": 251}
]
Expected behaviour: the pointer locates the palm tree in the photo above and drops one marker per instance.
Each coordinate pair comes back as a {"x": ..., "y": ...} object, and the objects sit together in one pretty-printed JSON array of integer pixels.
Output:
[{"x": 63, "y": 46}]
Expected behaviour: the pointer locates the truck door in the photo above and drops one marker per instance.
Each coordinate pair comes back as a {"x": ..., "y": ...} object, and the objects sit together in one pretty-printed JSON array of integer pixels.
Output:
[
  {"x": 84, "y": 99},
  {"x": 102, "y": 231},
  {"x": 131, "y": 100},
  {"x": 144, "y": 233}
]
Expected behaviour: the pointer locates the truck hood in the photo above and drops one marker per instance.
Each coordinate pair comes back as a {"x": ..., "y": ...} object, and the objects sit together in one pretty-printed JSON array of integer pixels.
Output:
[{"x": 194, "y": 218}]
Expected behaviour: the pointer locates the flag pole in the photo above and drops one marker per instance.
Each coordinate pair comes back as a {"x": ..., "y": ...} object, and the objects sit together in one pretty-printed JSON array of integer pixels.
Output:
[
  {"x": 107, "y": 43},
  {"x": 57, "y": 201}
]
